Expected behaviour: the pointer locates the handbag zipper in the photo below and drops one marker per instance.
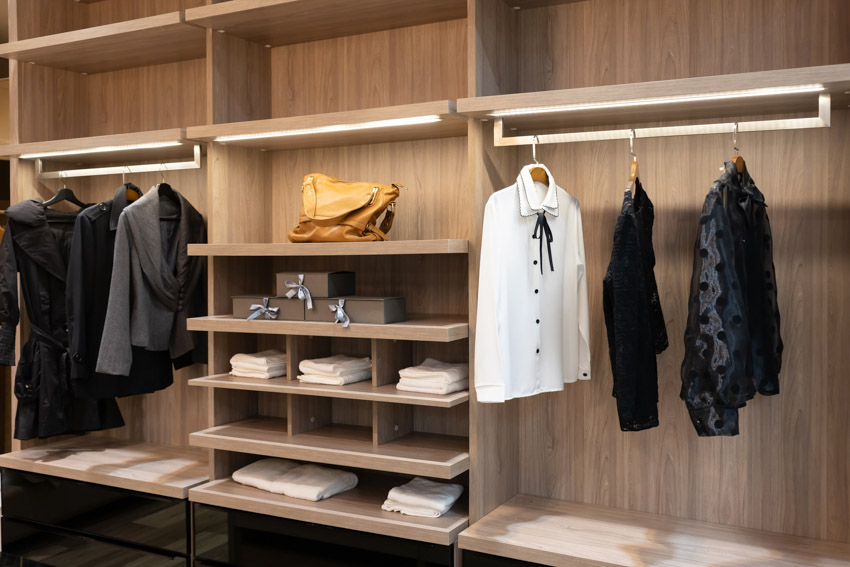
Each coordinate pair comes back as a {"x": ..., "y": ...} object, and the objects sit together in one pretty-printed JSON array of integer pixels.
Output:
[{"x": 374, "y": 194}]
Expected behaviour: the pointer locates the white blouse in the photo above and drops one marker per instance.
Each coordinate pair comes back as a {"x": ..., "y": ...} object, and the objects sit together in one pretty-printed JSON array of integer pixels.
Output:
[{"x": 533, "y": 329}]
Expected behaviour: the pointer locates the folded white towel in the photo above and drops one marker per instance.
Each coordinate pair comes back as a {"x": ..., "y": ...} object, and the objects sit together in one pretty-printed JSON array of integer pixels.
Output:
[
  {"x": 422, "y": 497},
  {"x": 426, "y": 387},
  {"x": 264, "y": 358},
  {"x": 258, "y": 373},
  {"x": 262, "y": 474},
  {"x": 258, "y": 367},
  {"x": 336, "y": 380},
  {"x": 435, "y": 371},
  {"x": 337, "y": 365},
  {"x": 312, "y": 482}
]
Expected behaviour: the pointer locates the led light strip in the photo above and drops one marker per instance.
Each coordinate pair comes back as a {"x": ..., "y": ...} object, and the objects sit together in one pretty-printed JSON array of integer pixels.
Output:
[
  {"x": 660, "y": 101},
  {"x": 102, "y": 149},
  {"x": 391, "y": 123}
]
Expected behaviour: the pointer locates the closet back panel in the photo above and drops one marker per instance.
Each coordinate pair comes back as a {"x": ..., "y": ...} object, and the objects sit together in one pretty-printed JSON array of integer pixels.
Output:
[
  {"x": 402, "y": 66},
  {"x": 787, "y": 471}
]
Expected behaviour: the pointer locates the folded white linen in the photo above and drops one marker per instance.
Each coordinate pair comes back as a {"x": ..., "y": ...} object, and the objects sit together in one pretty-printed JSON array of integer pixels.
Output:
[
  {"x": 337, "y": 365},
  {"x": 312, "y": 482},
  {"x": 426, "y": 387},
  {"x": 258, "y": 374},
  {"x": 262, "y": 474},
  {"x": 422, "y": 497},
  {"x": 264, "y": 358},
  {"x": 336, "y": 380},
  {"x": 432, "y": 370},
  {"x": 260, "y": 367}
]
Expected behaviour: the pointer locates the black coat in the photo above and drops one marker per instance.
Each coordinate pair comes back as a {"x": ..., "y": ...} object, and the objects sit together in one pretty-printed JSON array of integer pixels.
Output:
[
  {"x": 37, "y": 244},
  {"x": 633, "y": 316},
  {"x": 89, "y": 276},
  {"x": 732, "y": 344}
]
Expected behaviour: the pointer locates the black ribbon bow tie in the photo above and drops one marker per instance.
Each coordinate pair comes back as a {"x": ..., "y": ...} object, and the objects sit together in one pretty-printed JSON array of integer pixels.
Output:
[{"x": 541, "y": 229}]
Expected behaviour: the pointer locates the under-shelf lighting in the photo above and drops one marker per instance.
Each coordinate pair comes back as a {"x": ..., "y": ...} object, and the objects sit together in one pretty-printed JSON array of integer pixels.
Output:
[
  {"x": 391, "y": 123},
  {"x": 102, "y": 149},
  {"x": 773, "y": 91}
]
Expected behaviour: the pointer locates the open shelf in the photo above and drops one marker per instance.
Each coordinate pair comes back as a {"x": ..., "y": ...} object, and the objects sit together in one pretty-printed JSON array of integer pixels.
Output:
[
  {"x": 429, "y": 328},
  {"x": 554, "y": 532},
  {"x": 614, "y": 104},
  {"x": 438, "y": 456},
  {"x": 358, "y": 391},
  {"x": 358, "y": 509},
  {"x": 420, "y": 121},
  {"x": 165, "y": 38},
  {"x": 157, "y": 145},
  {"x": 131, "y": 465},
  {"x": 386, "y": 248},
  {"x": 284, "y": 22}
]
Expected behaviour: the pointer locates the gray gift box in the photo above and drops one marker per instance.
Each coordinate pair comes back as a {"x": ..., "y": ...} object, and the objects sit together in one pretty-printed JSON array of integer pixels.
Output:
[
  {"x": 320, "y": 284},
  {"x": 288, "y": 309},
  {"x": 374, "y": 310}
]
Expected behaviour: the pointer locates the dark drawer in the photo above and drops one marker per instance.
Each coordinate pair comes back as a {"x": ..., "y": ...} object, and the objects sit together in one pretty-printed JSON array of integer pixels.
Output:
[
  {"x": 61, "y": 549},
  {"x": 100, "y": 511},
  {"x": 475, "y": 559},
  {"x": 228, "y": 538}
]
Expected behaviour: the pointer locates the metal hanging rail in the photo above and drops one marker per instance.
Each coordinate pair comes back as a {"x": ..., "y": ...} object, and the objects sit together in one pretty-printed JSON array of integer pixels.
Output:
[
  {"x": 121, "y": 169},
  {"x": 821, "y": 121}
]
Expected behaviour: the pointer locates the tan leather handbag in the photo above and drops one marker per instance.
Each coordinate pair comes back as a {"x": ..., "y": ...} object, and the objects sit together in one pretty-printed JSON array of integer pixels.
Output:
[{"x": 342, "y": 211}]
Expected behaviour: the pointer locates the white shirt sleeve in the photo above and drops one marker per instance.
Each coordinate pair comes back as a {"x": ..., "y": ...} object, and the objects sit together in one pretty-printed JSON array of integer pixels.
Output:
[
  {"x": 582, "y": 303},
  {"x": 489, "y": 372}
]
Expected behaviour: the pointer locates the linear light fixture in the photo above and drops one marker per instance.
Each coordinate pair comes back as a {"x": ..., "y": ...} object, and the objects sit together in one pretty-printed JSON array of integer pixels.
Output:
[
  {"x": 390, "y": 123},
  {"x": 773, "y": 91},
  {"x": 122, "y": 169},
  {"x": 102, "y": 149}
]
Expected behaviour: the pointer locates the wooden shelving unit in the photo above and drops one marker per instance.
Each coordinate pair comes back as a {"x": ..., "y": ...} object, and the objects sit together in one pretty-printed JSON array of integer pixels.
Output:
[
  {"x": 434, "y": 328},
  {"x": 354, "y": 127},
  {"x": 114, "y": 148},
  {"x": 132, "y": 465},
  {"x": 614, "y": 104},
  {"x": 436, "y": 456},
  {"x": 284, "y": 22},
  {"x": 551, "y": 532},
  {"x": 359, "y": 391},
  {"x": 358, "y": 509},
  {"x": 280, "y": 249},
  {"x": 164, "y": 38}
]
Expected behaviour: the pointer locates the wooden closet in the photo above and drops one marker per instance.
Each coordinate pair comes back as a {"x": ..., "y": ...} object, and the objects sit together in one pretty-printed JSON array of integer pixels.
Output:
[{"x": 259, "y": 93}]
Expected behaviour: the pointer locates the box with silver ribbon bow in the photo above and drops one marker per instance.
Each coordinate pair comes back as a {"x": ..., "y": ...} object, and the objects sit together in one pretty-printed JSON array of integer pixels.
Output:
[
  {"x": 310, "y": 285},
  {"x": 355, "y": 309},
  {"x": 260, "y": 308}
]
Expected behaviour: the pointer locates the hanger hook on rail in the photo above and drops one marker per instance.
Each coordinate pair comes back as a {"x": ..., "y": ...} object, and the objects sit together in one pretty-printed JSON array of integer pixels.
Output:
[
  {"x": 534, "y": 141},
  {"x": 735, "y": 138},
  {"x": 632, "y": 136},
  {"x": 162, "y": 170},
  {"x": 124, "y": 174}
]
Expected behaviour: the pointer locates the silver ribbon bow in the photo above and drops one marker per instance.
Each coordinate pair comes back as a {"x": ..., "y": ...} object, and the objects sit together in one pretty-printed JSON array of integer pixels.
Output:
[
  {"x": 264, "y": 310},
  {"x": 340, "y": 316},
  {"x": 301, "y": 290}
]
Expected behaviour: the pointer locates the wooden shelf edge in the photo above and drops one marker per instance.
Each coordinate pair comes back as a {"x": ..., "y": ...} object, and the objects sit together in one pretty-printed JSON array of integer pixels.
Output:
[
  {"x": 184, "y": 41},
  {"x": 554, "y": 532},
  {"x": 439, "y": 531},
  {"x": 68, "y": 459},
  {"x": 417, "y": 328},
  {"x": 91, "y": 142},
  {"x": 281, "y": 249},
  {"x": 360, "y": 391}
]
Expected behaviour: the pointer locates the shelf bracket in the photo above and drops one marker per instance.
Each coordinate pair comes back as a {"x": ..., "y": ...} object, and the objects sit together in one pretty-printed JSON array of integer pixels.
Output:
[
  {"x": 121, "y": 169},
  {"x": 822, "y": 120}
]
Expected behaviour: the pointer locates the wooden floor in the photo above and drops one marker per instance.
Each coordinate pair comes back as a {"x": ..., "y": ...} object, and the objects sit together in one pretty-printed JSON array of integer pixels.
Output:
[
  {"x": 132, "y": 465},
  {"x": 565, "y": 534}
]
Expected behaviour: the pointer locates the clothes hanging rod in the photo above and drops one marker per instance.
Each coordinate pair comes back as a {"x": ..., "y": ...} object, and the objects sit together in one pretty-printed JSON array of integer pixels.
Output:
[
  {"x": 821, "y": 121},
  {"x": 121, "y": 169}
]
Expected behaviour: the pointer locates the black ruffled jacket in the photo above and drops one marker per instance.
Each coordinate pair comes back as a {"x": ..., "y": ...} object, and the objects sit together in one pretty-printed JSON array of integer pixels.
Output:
[
  {"x": 633, "y": 316},
  {"x": 732, "y": 344}
]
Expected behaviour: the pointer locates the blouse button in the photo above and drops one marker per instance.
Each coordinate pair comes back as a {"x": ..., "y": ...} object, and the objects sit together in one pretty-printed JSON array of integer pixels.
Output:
[
  {"x": 535, "y": 262},
  {"x": 538, "y": 351},
  {"x": 536, "y": 291},
  {"x": 538, "y": 321}
]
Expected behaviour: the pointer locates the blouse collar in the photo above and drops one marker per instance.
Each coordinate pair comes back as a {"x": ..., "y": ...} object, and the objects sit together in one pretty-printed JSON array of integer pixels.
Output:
[{"x": 529, "y": 201}]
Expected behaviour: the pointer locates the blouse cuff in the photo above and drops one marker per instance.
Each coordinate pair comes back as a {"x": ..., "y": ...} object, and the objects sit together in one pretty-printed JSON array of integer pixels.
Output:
[
  {"x": 7, "y": 345},
  {"x": 490, "y": 393},
  {"x": 715, "y": 421}
]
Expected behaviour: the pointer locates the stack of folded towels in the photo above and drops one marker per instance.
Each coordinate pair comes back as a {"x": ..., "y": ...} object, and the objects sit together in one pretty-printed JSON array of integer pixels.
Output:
[
  {"x": 266, "y": 364},
  {"x": 337, "y": 370},
  {"x": 422, "y": 497},
  {"x": 434, "y": 377},
  {"x": 306, "y": 482}
]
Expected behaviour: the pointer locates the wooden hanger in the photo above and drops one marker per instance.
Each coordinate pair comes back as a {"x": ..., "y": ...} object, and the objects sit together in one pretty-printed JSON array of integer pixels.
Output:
[
  {"x": 633, "y": 172},
  {"x": 132, "y": 193},
  {"x": 538, "y": 173},
  {"x": 737, "y": 159}
]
